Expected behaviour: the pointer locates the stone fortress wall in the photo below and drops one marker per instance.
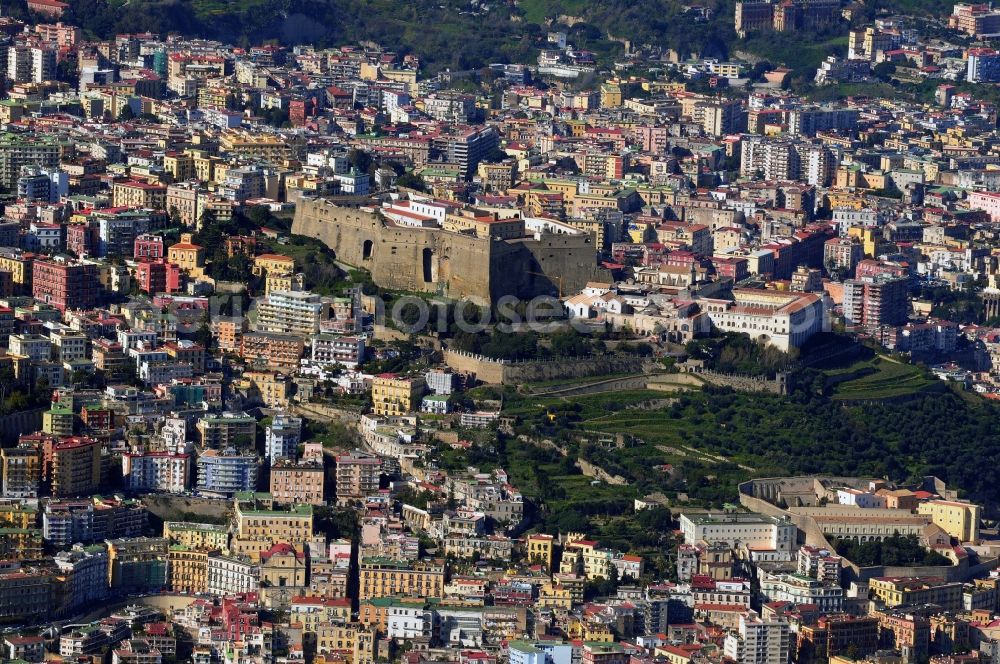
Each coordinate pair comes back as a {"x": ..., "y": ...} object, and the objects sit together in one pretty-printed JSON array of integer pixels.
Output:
[
  {"x": 503, "y": 372},
  {"x": 454, "y": 265}
]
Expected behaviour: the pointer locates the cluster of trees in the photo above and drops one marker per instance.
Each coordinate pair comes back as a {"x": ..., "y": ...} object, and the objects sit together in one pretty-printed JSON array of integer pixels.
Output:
[
  {"x": 534, "y": 469},
  {"x": 212, "y": 236},
  {"x": 534, "y": 346},
  {"x": 739, "y": 354},
  {"x": 419, "y": 499},
  {"x": 645, "y": 529},
  {"x": 276, "y": 117},
  {"x": 399, "y": 357},
  {"x": 15, "y": 398},
  {"x": 802, "y": 52},
  {"x": 962, "y": 306},
  {"x": 408, "y": 180},
  {"x": 336, "y": 523},
  {"x": 913, "y": 8},
  {"x": 473, "y": 329},
  {"x": 523, "y": 346},
  {"x": 318, "y": 265},
  {"x": 943, "y": 435},
  {"x": 898, "y": 550},
  {"x": 332, "y": 433},
  {"x": 320, "y": 271},
  {"x": 662, "y": 22}
]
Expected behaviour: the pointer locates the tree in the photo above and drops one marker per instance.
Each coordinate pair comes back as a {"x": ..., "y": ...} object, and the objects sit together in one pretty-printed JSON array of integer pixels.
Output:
[
  {"x": 15, "y": 401},
  {"x": 884, "y": 71},
  {"x": 79, "y": 377},
  {"x": 495, "y": 156},
  {"x": 336, "y": 523},
  {"x": 66, "y": 71},
  {"x": 360, "y": 160},
  {"x": 570, "y": 344},
  {"x": 759, "y": 69},
  {"x": 276, "y": 117},
  {"x": 203, "y": 336},
  {"x": 208, "y": 220},
  {"x": 243, "y": 442},
  {"x": 411, "y": 181},
  {"x": 126, "y": 113},
  {"x": 259, "y": 215}
]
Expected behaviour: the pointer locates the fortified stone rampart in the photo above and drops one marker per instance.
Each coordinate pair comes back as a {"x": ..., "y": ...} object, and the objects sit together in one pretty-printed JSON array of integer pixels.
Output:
[
  {"x": 488, "y": 370},
  {"x": 455, "y": 265},
  {"x": 741, "y": 383},
  {"x": 485, "y": 369}
]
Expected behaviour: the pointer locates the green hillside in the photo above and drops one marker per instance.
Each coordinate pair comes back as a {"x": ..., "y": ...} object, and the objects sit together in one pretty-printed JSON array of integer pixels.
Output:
[
  {"x": 460, "y": 35},
  {"x": 717, "y": 438},
  {"x": 450, "y": 34}
]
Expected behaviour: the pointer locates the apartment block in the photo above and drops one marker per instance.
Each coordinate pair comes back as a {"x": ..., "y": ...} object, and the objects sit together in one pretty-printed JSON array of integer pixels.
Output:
[
  {"x": 188, "y": 569},
  {"x": 876, "y": 301},
  {"x": 291, "y": 312},
  {"x": 22, "y": 471},
  {"x": 755, "y": 531},
  {"x": 759, "y": 641},
  {"x": 227, "y": 430},
  {"x": 395, "y": 395},
  {"x": 540, "y": 549},
  {"x": 297, "y": 482},
  {"x": 281, "y": 351},
  {"x": 156, "y": 471},
  {"x": 73, "y": 466},
  {"x": 227, "y": 471},
  {"x": 259, "y": 521},
  {"x": 385, "y": 577},
  {"x": 357, "y": 475},
  {"x": 899, "y": 591},
  {"x": 137, "y": 564},
  {"x": 65, "y": 284},
  {"x": 198, "y": 536},
  {"x": 227, "y": 576},
  {"x": 960, "y": 519}
]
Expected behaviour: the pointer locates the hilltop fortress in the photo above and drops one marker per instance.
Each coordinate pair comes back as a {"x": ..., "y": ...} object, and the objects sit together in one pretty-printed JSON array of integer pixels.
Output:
[{"x": 479, "y": 258}]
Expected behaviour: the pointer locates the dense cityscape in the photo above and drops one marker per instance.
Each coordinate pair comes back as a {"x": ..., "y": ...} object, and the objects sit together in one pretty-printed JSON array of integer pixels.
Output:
[{"x": 531, "y": 332}]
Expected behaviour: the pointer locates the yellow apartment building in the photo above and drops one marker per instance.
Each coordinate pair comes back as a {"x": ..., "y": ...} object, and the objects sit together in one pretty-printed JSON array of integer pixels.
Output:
[
  {"x": 19, "y": 267},
  {"x": 134, "y": 193},
  {"x": 396, "y": 395},
  {"x": 313, "y": 612},
  {"x": 354, "y": 640},
  {"x": 260, "y": 524},
  {"x": 188, "y": 569},
  {"x": 273, "y": 264},
  {"x": 273, "y": 388},
  {"x": 179, "y": 165},
  {"x": 540, "y": 548},
  {"x": 896, "y": 591},
  {"x": 385, "y": 577},
  {"x": 960, "y": 519},
  {"x": 197, "y": 536}
]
